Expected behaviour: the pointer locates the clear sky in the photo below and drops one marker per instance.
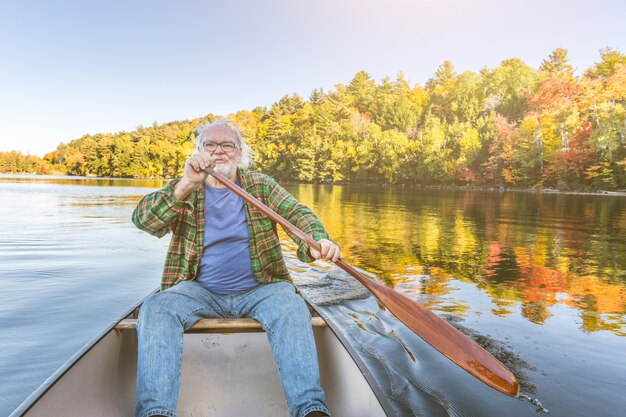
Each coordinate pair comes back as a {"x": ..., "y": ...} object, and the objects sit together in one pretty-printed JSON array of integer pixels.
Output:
[{"x": 68, "y": 68}]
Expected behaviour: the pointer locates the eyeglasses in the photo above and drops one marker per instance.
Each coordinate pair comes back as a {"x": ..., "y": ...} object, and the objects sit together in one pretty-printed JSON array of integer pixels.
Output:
[{"x": 226, "y": 146}]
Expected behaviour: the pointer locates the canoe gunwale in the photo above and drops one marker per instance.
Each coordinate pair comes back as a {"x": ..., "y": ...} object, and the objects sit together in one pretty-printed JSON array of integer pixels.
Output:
[{"x": 32, "y": 399}]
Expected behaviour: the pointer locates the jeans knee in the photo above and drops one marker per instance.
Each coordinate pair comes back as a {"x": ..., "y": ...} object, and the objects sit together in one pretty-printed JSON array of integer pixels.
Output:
[
  {"x": 293, "y": 311},
  {"x": 297, "y": 306},
  {"x": 153, "y": 308}
]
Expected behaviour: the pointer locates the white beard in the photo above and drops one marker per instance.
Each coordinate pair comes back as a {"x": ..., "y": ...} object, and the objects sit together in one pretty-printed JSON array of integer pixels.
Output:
[{"x": 228, "y": 170}]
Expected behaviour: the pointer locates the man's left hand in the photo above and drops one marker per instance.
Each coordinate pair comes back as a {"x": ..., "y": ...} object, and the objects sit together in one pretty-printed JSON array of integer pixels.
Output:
[{"x": 330, "y": 251}]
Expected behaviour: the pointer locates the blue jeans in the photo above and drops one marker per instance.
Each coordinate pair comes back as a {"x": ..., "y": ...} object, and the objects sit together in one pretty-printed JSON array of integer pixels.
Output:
[{"x": 284, "y": 316}]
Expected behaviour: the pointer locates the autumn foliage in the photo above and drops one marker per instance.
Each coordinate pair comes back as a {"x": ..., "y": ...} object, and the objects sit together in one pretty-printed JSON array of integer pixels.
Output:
[{"x": 510, "y": 126}]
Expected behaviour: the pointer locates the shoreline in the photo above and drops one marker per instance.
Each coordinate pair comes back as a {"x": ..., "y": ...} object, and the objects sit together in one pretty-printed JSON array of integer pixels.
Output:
[
  {"x": 618, "y": 193},
  {"x": 492, "y": 188}
]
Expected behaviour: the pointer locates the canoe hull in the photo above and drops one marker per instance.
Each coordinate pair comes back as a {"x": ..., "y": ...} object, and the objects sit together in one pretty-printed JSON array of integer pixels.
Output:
[{"x": 228, "y": 375}]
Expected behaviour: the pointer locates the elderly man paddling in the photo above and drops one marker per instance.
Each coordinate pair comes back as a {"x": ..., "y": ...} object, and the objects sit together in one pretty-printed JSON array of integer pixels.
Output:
[{"x": 225, "y": 260}]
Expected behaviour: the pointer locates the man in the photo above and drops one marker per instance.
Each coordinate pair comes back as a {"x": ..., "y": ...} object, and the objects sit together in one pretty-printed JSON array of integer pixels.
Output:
[{"x": 226, "y": 253}]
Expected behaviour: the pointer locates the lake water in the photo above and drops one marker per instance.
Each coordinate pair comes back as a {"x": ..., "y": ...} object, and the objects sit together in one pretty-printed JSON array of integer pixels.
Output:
[{"x": 538, "y": 279}]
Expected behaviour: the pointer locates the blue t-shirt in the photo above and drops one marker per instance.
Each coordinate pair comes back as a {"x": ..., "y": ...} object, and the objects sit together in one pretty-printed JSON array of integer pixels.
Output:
[{"x": 225, "y": 266}]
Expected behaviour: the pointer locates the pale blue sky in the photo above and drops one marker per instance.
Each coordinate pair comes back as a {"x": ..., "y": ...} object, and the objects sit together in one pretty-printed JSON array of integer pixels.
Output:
[{"x": 74, "y": 67}]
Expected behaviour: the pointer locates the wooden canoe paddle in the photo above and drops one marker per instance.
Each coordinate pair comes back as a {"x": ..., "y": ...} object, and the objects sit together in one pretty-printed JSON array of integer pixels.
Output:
[{"x": 424, "y": 323}]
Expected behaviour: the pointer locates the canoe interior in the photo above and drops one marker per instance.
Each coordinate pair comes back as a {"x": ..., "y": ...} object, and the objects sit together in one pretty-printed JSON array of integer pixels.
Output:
[{"x": 224, "y": 374}]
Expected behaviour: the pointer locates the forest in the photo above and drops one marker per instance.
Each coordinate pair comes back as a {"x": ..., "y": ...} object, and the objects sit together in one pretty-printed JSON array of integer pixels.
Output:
[{"x": 509, "y": 126}]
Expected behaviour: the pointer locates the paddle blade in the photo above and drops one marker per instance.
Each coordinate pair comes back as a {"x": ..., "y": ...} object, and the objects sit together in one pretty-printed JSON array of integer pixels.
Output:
[{"x": 443, "y": 336}]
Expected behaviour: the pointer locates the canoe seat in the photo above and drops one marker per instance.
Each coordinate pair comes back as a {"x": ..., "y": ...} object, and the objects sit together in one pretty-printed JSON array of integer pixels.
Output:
[{"x": 243, "y": 325}]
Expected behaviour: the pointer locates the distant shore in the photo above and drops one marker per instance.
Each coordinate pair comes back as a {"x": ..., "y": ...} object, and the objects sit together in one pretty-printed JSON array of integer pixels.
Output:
[
  {"x": 619, "y": 193},
  {"x": 456, "y": 187},
  {"x": 516, "y": 189}
]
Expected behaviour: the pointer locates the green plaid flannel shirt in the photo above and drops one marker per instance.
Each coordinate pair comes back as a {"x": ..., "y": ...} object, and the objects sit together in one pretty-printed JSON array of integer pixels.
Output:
[{"x": 159, "y": 213}]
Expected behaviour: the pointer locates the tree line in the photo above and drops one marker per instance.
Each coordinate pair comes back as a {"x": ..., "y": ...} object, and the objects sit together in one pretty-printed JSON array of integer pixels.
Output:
[{"x": 512, "y": 125}]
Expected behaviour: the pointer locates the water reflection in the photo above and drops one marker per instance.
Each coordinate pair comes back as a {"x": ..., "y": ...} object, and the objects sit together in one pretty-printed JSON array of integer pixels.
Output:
[
  {"x": 522, "y": 249},
  {"x": 539, "y": 277},
  {"x": 89, "y": 181},
  {"x": 95, "y": 201}
]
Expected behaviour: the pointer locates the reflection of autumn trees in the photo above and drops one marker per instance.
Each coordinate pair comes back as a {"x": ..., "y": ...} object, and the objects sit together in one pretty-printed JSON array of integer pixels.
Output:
[
  {"x": 525, "y": 251},
  {"x": 95, "y": 182},
  {"x": 602, "y": 304}
]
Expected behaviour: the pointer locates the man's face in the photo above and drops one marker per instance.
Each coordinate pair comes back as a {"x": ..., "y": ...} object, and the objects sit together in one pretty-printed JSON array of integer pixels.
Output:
[{"x": 220, "y": 143}]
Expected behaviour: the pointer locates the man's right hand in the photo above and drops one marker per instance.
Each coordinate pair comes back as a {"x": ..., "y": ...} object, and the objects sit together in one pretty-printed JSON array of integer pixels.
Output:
[
  {"x": 194, "y": 175},
  {"x": 195, "y": 166}
]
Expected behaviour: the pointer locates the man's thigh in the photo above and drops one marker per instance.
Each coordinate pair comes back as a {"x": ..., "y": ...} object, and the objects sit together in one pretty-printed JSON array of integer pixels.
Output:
[
  {"x": 275, "y": 301},
  {"x": 187, "y": 301}
]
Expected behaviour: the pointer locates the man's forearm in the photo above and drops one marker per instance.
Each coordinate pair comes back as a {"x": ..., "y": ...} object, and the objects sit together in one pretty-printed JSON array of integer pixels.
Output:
[
  {"x": 183, "y": 189},
  {"x": 157, "y": 211}
]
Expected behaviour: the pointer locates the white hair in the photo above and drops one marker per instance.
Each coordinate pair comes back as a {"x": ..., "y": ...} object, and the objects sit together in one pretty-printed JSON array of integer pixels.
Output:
[{"x": 246, "y": 152}]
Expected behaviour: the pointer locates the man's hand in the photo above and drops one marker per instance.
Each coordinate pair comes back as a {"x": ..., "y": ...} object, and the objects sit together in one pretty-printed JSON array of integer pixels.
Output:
[
  {"x": 194, "y": 174},
  {"x": 194, "y": 168},
  {"x": 330, "y": 251}
]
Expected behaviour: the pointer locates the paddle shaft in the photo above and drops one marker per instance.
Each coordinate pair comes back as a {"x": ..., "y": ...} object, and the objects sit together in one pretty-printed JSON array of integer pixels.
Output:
[{"x": 424, "y": 323}]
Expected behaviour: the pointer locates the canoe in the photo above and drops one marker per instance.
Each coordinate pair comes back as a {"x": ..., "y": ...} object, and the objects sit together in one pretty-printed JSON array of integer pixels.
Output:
[{"x": 228, "y": 370}]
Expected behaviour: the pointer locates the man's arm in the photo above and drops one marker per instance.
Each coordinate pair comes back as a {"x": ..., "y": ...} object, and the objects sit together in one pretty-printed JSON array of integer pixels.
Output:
[{"x": 157, "y": 212}]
